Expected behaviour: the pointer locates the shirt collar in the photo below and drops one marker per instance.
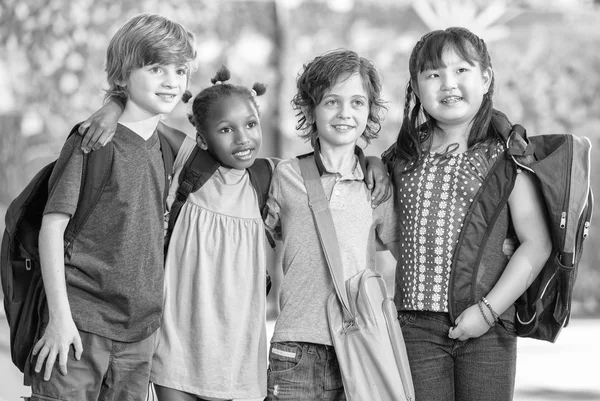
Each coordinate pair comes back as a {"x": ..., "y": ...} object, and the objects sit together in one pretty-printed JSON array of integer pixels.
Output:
[{"x": 357, "y": 151}]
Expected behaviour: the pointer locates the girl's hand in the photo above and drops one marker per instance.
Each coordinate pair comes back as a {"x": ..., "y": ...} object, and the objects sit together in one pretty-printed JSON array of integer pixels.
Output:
[
  {"x": 470, "y": 324},
  {"x": 100, "y": 127},
  {"x": 378, "y": 181},
  {"x": 56, "y": 342}
]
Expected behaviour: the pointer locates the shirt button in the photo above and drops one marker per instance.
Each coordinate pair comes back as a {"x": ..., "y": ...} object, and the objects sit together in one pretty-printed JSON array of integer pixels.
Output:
[{"x": 337, "y": 193}]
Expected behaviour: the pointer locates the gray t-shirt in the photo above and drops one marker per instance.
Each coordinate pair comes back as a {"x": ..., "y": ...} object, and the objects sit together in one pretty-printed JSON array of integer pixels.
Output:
[
  {"x": 114, "y": 273},
  {"x": 307, "y": 282}
]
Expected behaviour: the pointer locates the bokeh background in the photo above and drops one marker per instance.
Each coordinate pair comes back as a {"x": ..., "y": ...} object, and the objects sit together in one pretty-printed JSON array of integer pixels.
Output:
[{"x": 544, "y": 52}]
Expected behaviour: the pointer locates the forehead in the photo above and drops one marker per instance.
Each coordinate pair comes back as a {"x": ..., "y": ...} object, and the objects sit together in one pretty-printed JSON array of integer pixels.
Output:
[
  {"x": 348, "y": 85},
  {"x": 231, "y": 108},
  {"x": 439, "y": 54}
]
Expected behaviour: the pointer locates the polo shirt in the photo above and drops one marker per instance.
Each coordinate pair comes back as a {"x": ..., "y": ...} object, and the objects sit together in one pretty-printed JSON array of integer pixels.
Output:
[{"x": 307, "y": 283}]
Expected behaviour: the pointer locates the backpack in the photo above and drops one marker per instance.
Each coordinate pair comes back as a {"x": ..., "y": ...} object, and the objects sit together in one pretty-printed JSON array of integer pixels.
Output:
[
  {"x": 561, "y": 164},
  {"x": 22, "y": 285},
  {"x": 197, "y": 170}
]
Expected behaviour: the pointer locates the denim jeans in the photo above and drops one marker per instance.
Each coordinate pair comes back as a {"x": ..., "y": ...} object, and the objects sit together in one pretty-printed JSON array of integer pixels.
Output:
[
  {"x": 303, "y": 371},
  {"x": 107, "y": 370},
  {"x": 444, "y": 369}
]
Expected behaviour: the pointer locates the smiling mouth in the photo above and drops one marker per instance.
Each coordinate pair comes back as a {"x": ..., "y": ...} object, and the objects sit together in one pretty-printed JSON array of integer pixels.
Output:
[
  {"x": 166, "y": 96},
  {"x": 452, "y": 99},
  {"x": 343, "y": 127},
  {"x": 243, "y": 154}
]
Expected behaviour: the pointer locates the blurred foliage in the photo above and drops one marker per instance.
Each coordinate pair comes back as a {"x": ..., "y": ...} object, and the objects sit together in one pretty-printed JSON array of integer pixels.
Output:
[{"x": 544, "y": 54}]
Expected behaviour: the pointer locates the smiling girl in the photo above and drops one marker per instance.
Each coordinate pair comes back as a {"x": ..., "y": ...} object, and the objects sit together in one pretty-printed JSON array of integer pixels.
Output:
[{"x": 446, "y": 147}]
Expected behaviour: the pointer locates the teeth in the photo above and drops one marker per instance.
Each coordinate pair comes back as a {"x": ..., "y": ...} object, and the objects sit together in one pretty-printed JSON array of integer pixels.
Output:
[
  {"x": 242, "y": 153},
  {"x": 452, "y": 99},
  {"x": 342, "y": 127}
]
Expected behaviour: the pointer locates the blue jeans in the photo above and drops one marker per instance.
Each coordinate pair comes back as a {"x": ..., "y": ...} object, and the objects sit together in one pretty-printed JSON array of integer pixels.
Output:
[
  {"x": 303, "y": 371},
  {"x": 107, "y": 370},
  {"x": 444, "y": 369}
]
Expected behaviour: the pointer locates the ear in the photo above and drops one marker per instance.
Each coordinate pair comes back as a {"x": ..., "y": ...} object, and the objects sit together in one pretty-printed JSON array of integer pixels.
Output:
[
  {"x": 307, "y": 114},
  {"x": 201, "y": 142},
  {"x": 487, "y": 76}
]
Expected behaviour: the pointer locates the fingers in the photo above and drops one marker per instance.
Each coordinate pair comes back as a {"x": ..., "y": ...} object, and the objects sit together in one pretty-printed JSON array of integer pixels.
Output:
[
  {"x": 62, "y": 360},
  {"x": 78, "y": 347},
  {"x": 370, "y": 179},
  {"x": 456, "y": 333},
  {"x": 50, "y": 360}
]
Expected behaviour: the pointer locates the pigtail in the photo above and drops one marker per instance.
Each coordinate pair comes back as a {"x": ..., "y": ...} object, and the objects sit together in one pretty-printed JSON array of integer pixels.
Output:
[
  {"x": 221, "y": 76},
  {"x": 187, "y": 95},
  {"x": 258, "y": 89}
]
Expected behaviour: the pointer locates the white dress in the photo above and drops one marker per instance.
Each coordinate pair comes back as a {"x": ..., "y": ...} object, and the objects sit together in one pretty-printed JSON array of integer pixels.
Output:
[{"x": 212, "y": 341}]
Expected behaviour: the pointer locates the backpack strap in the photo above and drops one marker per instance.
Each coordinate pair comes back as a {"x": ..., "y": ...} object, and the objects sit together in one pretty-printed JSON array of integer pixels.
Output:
[
  {"x": 198, "y": 168},
  {"x": 96, "y": 172},
  {"x": 168, "y": 157},
  {"x": 261, "y": 173}
]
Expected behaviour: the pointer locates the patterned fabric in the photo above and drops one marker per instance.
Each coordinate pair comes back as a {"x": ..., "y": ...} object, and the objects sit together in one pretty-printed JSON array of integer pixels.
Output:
[{"x": 432, "y": 202}]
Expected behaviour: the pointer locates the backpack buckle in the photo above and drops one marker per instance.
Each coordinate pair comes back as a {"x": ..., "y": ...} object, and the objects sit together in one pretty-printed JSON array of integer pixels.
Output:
[{"x": 27, "y": 264}]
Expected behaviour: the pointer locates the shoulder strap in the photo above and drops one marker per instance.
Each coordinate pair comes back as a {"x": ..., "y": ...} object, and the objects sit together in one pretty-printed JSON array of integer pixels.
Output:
[
  {"x": 319, "y": 206},
  {"x": 198, "y": 168},
  {"x": 168, "y": 157},
  {"x": 96, "y": 172},
  {"x": 261, "y": 173}
]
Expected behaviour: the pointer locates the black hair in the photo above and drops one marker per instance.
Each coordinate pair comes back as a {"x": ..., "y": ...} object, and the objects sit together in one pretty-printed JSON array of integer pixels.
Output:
[
  {"x": 417, "y": 125},
  {"x": 220, "y": 89}
]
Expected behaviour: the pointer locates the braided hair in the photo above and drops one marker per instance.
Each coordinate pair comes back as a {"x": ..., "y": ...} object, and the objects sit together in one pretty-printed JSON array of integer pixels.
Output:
[
  {"x": 418, "y": 125},
  {"x": 220, "y": 89}
]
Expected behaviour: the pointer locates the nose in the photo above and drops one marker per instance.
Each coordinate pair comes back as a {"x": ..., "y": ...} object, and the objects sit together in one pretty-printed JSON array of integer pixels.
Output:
[
  {"x": 242, "y": 137},
  {"x": 170, "y": 79},
  {"x": 448, "y": 83},
  {"x": 343, "y": 111}
]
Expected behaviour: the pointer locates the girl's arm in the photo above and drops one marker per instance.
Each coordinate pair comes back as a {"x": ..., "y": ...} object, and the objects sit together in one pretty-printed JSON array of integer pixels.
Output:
[
  {"x": 528, "y": 213},
  {"x": 377, "y": 180},
  {"x": 61, "y": 331},
  {"x": 101, "y": 126}
]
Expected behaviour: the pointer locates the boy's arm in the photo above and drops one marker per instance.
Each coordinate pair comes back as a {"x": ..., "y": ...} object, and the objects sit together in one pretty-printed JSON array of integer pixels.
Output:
[
  {"x": 378, "y": 181},
  {"x": 61, "y": 331},
  {"x": 101, "y": 126}
]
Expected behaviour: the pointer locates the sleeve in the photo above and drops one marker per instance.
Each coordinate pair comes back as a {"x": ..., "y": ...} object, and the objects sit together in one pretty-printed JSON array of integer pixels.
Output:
[
  {"x": 387, "y": 222},
  {"x": 273, "y": 210},
  {"x": 65, "y": 181}
]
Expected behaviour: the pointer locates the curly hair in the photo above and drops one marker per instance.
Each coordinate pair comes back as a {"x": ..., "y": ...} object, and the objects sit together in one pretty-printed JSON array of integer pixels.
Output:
[
  {"x": 320, "y": 75},
  {"x": 203, "y": 102}
]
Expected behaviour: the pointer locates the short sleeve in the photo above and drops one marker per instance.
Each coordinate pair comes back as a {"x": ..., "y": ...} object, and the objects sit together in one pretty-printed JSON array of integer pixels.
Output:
[
  {"x": 387, "y": 222},
  {"x": 65, "y": 181}
]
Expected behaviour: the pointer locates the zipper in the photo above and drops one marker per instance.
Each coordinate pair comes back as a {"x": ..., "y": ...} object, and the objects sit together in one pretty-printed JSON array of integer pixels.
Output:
[{"x": 565, "y": 204}]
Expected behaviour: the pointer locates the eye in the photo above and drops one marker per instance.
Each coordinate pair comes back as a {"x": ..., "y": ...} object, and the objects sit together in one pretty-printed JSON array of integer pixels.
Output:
[
  {"x": 358, "y": 103},
  {"x": 433, "y": 75},
  {"x": 181, "y": 71},
  {"x": 252, "y": 124},
  {"x": 462, "y": 69},
  {"x": 330, "y": 102},
  {"x": 226, "y": 130},
  {"x": 155, "y": 69}
]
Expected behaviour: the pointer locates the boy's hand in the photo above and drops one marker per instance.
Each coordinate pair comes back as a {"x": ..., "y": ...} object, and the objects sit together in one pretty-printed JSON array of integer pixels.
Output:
[
  {"x": 469, "y": 324},
  {"x": 378, "y": 181},
  {"x": 100, "y": 127},
  {"x": 56, "y": 342}
]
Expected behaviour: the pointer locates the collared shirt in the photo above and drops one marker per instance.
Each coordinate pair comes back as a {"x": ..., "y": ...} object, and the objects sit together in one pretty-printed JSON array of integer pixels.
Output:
[{"x": 307, "y": 282}]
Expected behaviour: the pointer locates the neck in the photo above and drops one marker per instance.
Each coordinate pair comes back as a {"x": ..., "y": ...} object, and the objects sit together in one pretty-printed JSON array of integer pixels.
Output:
[
  {"x": 445, "y": 135},
  {"x": 338, "y": 158}
]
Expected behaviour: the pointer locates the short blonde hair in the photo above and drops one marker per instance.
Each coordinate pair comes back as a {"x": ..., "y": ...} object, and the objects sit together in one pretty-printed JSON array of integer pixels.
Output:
[{"x": 146, "y": 39}]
